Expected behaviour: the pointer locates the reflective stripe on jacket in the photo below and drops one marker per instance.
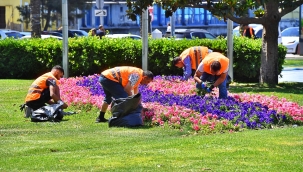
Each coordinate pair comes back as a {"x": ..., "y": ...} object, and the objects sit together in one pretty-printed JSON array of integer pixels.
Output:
[
  {"x": 196, "y": 55},
  {"x": 215, "y": 56},
  {"x": 121, "y": 74},
  {"x": 35, "y": 90}
]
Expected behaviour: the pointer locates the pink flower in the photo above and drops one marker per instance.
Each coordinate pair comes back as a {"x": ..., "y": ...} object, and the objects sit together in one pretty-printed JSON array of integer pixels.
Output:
[{"x": 196, "y": 127}]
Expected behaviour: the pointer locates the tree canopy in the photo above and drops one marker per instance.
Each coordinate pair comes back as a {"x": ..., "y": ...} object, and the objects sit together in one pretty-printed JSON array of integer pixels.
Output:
[{"x": 236, "y": 11}]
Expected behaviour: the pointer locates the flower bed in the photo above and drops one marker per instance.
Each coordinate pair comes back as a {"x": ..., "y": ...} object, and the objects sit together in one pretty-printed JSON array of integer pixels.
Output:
[{"x": 174, "y": 103}]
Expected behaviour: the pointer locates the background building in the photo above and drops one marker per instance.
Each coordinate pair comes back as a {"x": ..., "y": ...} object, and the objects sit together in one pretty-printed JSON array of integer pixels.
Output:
[
  {"x": 9, "y": 14},
  {"x": 116, "y": 20}
]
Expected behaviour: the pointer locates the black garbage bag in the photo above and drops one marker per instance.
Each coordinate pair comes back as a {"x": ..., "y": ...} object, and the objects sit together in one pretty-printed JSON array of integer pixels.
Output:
[
  {"x": 51, "y": 112},
  {"x": 126, "y": 112}
]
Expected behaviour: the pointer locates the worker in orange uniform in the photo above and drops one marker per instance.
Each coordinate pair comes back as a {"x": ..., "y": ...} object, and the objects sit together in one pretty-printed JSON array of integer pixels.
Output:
[
  {"x": 189, "y": 60},
  {"x": 248, "y": 31},
  {"x": 45, "y": 89},
  {"x": 121, "y": 82},
  {"x": 213, "y": 69}
]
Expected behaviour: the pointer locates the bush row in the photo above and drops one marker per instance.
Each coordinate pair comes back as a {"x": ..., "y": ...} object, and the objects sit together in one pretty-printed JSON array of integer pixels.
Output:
[{"x": 29, "y": 58}]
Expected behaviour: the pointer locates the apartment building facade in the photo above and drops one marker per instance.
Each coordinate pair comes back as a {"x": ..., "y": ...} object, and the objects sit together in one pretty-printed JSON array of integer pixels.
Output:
[
  {"x": 116, "y": 20},
  {"x": 9, "y": 14}
]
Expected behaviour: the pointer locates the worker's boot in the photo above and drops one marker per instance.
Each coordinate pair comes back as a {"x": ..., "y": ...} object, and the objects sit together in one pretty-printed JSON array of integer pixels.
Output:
[{"x": 101, "y": 118}]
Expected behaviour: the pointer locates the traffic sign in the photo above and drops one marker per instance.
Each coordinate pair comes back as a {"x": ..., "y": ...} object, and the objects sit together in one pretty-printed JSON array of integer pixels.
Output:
[{"x": 100, "y": 13}]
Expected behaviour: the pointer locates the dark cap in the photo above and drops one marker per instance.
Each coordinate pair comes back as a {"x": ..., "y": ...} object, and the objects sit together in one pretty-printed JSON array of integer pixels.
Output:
[{"x": 58, "y": 67}]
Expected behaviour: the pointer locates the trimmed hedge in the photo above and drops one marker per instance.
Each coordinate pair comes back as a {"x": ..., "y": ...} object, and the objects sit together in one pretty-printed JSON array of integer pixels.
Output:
[{"x": 29, "y": 58}]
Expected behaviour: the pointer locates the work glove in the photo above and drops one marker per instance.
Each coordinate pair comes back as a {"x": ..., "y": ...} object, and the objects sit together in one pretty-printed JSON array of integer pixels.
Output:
[
  {"x": 203, "y": 85},
  {"x": 210, "y": 89}
]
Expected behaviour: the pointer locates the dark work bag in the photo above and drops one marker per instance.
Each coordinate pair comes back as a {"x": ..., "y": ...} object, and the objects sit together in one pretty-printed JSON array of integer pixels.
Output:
[
  {"x": 51, "y": 112},
  {"x": 126, "y": 112}
]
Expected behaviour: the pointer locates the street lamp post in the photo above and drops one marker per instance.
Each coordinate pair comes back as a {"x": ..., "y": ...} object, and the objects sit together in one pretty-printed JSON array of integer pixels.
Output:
[{"x": 65, "y": 38}]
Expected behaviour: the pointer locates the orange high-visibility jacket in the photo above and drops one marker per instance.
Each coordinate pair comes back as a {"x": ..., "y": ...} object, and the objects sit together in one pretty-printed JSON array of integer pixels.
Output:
[
  {"x": 250, "y": 31},
  {"x": 122, "y": 73},
  {"x": 196, "y": 55},
  {"x": 35, "y": 90},
  {"x": 215, "y": 56}
]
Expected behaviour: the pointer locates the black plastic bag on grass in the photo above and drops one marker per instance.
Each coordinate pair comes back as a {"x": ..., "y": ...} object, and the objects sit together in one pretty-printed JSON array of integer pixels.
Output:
[{"x": 126, "y": 112}]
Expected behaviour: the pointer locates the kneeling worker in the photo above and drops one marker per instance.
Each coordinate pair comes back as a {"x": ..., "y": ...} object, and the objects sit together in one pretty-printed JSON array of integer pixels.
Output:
[
  {"x": 190, "y": 59},
  {"x": 213, "y": 68},
  {"x": 121, "y": 82},
  {"x": 45, "y": 89}
]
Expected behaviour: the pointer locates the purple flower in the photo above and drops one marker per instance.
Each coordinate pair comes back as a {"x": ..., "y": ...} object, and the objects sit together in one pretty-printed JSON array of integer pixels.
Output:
[{"x": 252, "y": 114}]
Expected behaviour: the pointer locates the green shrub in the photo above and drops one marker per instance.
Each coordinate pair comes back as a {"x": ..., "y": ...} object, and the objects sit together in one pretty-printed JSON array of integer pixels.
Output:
[{"x": 29, "y": 58}]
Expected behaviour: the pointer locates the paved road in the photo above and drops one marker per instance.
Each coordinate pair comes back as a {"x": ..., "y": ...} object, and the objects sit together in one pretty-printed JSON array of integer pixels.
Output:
[
  {"x": 294, "y": 56},
  {"x": 292, "y": 74}
]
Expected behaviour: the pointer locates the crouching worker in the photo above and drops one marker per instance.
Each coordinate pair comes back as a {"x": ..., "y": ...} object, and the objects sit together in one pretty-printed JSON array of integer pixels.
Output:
[
  {"x": 45, "y": 89},
  {"x": 121, "y": 82},
  {"x": 189, "y": 60},
  {"x": 213, "y": 69}
]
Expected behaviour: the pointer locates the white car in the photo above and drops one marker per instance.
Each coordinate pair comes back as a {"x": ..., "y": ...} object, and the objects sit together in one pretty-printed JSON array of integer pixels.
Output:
[
  {"x": 43, "y": 37},
  {"x": 258, "y": 28},
  {"x": 79, "y": 32},
  {"x": 123, "y": 36},
  {"x": 6, "y": 33},
  {"x": 25, "y": 33},
  {"x": 290, "y": 39}
]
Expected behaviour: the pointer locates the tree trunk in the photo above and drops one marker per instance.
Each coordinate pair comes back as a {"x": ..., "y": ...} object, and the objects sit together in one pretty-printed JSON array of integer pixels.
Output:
[
  {"x": 35, "y": 18},
  {"x": 269, "y": 54},
  {"x": 48, "y": 18}
]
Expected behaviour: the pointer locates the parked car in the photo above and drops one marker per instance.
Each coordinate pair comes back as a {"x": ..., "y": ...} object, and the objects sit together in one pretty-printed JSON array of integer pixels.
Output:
[
  {"x": 290, "y": 39},
  {"x": 192, "y": 34},
  {"x": 258, "y": 28},
  {"x": 43, "y": 37},
  {"x": 25, "y": 33},
  {"x": 73, "y": 33},
  {"x": 79, "y": 32},
  {"x": 51, "y": 33},
  {"x": 136, "y": 37},
  {"x": 9, "y": 33}
]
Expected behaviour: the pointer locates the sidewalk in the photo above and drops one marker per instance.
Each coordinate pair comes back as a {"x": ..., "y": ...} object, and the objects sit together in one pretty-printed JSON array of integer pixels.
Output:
[
  {"x": 294, "y": 56},
  {"x": 292, "y": 74}
]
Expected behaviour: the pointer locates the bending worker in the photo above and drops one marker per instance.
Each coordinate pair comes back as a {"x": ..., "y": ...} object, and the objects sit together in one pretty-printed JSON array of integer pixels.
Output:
[
  {"x": 248, "y": 31},
  {"x": 190, "y": 59},
  {"x": 213, "y": 68},
  {"x": 121, "y": 82}
]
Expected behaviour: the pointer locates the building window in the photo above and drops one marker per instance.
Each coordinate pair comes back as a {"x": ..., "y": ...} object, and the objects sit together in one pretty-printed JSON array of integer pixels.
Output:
[
  {"x": 121, "y": 18},
  {"x": 199, "y": 16},
  {"x": 121, "y": 9},
  {"x": 189, "y": 16},
  {"x": 2, "y": 17},
  {"x": 178, "y": 17}
]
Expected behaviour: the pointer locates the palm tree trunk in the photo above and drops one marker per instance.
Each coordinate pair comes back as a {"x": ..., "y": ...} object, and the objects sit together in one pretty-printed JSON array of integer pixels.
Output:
[{"x": 35, "y": 18}]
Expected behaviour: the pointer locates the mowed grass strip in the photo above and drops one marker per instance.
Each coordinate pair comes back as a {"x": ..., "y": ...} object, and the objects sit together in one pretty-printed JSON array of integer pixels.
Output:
[
  {"x": 293, "y": 63},
  {"x": 79, "y": 144}
]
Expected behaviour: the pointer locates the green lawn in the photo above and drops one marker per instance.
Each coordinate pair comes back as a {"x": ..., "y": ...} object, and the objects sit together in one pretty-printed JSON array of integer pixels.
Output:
[
  {"x": 293, "y": 63},
  {"x": 78, "y": 144}
]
